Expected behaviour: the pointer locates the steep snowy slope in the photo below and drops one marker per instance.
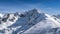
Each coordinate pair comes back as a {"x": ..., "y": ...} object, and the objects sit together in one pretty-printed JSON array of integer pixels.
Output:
[
  {"x": 31, "y": 22},
  {"x": 44, "y": 27}
]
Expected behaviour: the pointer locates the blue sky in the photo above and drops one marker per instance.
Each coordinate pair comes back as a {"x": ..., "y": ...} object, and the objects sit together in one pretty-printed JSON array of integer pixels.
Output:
[{"x": 46, "y": 6}]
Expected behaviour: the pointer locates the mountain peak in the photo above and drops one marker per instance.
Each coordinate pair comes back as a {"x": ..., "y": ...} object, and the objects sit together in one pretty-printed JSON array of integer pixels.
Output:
[
  {"x": 32, "y": 21},
  {"x": 35, "y": 10}
]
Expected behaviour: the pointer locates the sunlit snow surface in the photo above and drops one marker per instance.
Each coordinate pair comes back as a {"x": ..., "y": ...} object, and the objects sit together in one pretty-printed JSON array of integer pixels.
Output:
[{"x": 31, "y": 22}]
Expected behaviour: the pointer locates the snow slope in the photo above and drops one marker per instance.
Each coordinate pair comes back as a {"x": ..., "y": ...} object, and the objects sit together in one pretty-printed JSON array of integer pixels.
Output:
[{"x": 44, "y": 27}]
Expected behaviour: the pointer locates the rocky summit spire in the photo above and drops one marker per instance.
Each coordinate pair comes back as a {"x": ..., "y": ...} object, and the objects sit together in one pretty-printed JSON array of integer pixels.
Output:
[
  {"x": 31, "y": 12},
  {"x": 34, "y": 10}
]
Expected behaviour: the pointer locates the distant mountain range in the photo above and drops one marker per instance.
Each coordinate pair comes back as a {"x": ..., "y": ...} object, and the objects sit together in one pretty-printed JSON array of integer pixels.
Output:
[{"x": 30, "y": 22}]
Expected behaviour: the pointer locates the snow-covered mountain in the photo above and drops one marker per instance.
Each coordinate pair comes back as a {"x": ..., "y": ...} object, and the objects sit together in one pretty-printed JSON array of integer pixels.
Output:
[{"x": 30, "y": 22}]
